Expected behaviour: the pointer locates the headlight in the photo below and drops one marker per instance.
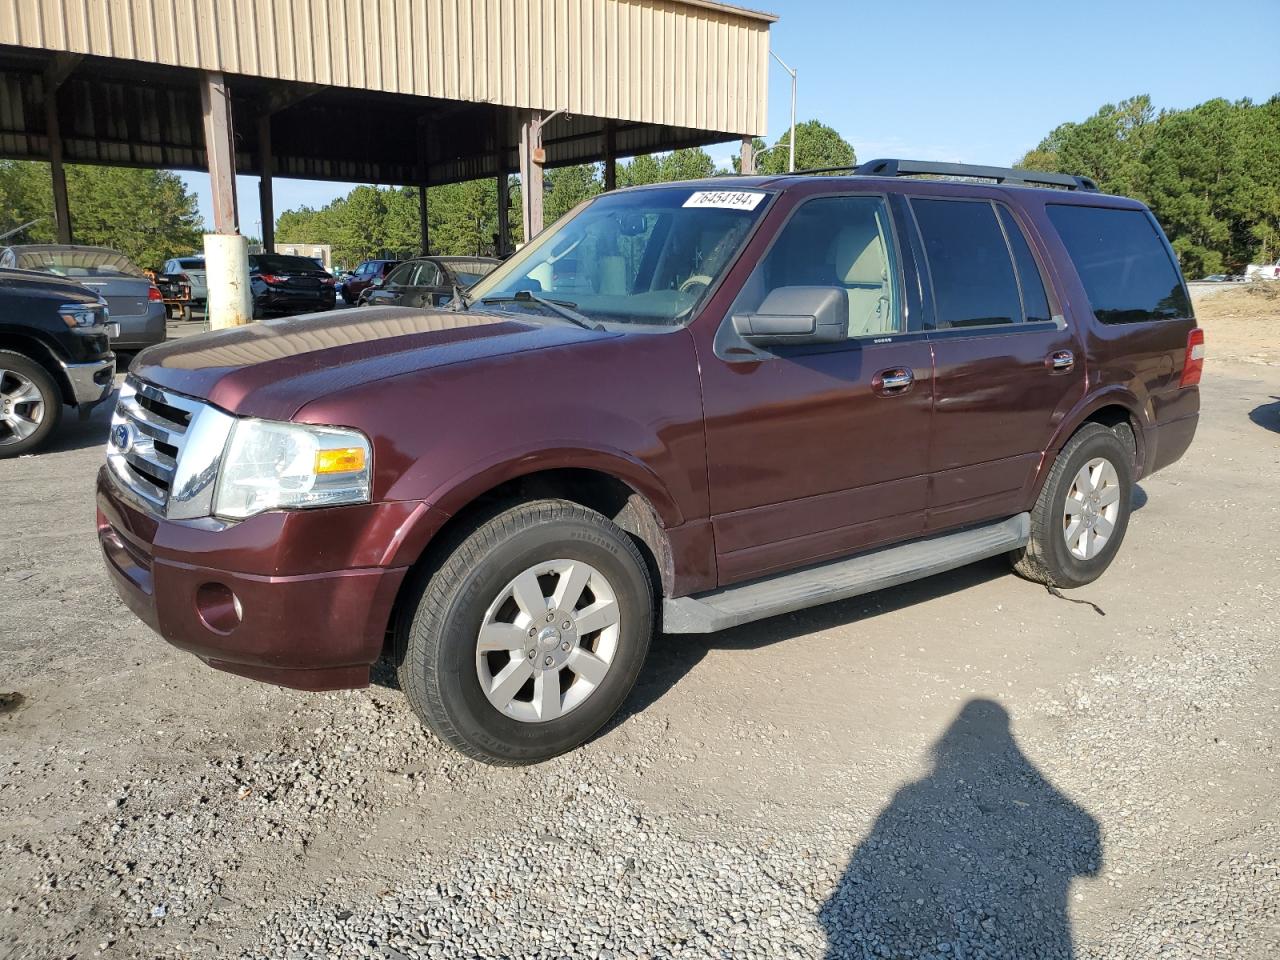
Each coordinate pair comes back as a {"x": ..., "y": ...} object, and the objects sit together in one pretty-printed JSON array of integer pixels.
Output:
[
  {"x": 270, "y": 466},
  {"x": 81, "y": 316}
]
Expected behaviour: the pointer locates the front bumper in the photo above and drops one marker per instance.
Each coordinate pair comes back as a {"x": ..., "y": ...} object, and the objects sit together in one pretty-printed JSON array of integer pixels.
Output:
[
  {"x": 254, "y": 599},
  {"x": 91, "y": 382}
]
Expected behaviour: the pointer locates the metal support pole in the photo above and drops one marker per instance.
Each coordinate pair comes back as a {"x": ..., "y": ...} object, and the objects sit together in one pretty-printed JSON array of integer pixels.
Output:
[
  {"x": 747, "y": 165},
  {"x": 61, "y": 207},
  {"x": 532, "y": 157},
  {"x": 265, "y": 203},
  {"x": 226, "y": 252},
  {"x": 504, "y": 214},
  {"x": 610, "y": 156},
  {"x": 792, "y": 163},
  {"x": 422, "y": 219}
]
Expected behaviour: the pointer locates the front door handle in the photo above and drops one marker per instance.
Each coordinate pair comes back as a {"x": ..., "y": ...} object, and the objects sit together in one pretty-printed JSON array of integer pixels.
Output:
[
  {"x": 893, "y": 382},
  {"x": 1060, "y": 361}
]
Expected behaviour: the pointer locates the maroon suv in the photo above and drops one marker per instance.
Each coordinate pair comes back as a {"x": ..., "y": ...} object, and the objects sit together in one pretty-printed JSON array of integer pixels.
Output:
[{"x": 683, "y": 407}]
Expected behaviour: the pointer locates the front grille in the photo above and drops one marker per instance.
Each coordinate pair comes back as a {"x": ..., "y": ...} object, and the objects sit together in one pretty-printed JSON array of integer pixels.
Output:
[{"x": 147, "y": 435}]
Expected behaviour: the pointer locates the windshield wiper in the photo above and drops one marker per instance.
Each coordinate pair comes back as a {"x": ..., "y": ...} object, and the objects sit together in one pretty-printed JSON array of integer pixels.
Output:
[{"x": 563, "y": 307}]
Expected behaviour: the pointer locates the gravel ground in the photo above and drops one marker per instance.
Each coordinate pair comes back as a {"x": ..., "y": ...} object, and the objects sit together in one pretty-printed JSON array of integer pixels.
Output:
[{"x": 960, "y": 768}]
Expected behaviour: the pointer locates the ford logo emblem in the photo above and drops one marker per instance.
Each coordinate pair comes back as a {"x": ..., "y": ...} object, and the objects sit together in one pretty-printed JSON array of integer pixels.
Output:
[{"x": 122, "y": 436}]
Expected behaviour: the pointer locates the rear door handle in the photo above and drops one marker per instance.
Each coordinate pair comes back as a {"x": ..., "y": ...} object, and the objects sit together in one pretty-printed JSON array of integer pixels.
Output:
[
  {"x": 1060, "y": 361},
  {"x": 893, "y": 382}
]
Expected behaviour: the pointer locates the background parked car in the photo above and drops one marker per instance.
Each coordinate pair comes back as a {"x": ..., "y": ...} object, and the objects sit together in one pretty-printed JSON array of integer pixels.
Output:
[
  {"x": 427, "y": 281},
  {"x": 190, "y": 270},
  {"x": 134, "y": 301},
  {"x": 362, "y": 277},
  {"x": 54, "y": 350},
  {"x": 284, "y": 284}
]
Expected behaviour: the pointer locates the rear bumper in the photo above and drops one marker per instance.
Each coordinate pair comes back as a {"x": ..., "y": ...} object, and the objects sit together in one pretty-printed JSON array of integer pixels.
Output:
[
  {"x": 279, "y": 301},
  {"x": 142, "y": 330},
  {"x": 1167, "y": 442},
  {"x": 316, "y": 630}
]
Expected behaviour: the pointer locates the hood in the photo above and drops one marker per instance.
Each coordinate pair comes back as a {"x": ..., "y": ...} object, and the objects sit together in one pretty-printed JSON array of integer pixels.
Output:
[
  {"x": 32, "y": 283},
  {"x": 273, "y": 368}
]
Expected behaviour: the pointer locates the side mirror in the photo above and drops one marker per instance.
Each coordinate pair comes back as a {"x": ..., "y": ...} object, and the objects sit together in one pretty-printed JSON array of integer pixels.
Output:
[{"x": 791, "y": 315}]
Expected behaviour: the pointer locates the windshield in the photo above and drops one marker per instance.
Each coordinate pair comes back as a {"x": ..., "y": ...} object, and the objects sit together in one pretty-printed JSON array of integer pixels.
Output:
[
  {"x": 279, "y": 263},
  {"x": 641, "y": 256}
]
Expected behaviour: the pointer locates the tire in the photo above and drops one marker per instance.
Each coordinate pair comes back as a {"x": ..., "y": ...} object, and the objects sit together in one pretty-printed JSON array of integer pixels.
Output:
[
  {"x": 16, "y": 373},
  {"x": 441, "y": 668},
  {"x": 1049, "y": 557}
]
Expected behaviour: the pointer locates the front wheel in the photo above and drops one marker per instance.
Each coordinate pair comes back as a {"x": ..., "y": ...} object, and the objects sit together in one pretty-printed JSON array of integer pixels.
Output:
[
  {"x": 530, "y": 635},
  {"x": 1081, "y": 516},
  {"x": 30, "y": 404}
]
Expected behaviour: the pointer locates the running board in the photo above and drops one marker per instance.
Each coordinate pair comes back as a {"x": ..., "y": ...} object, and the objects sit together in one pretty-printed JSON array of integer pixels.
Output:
[{"x": 840, "y": 579}]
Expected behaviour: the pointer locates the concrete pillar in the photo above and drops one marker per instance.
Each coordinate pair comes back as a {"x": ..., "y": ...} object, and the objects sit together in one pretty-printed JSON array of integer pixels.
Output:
[
  {"x": 748, "y": 164},
  {"x": 265, "y": 204},
  {"x": 532, "y": 158},
  {"x": 422, "y": 219},
  {"x": 226, "y": 251},
  {"x": 61, "y": 208},
  {"x": 504, "y": 214},
  {"x": 610, "y": 157}
]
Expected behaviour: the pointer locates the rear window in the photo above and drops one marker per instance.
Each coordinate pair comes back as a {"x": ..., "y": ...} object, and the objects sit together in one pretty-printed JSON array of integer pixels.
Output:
[
  {"x": 189, "y": 263},
  {"x": 973, "y": 280},
  {"x": 1123, "y": 263},
  {"x": 278, "y": 263}
]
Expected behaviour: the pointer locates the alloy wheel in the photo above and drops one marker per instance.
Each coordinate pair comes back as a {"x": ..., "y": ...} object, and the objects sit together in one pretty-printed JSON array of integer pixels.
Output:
[
  {"x": 22, "y": 407},
  {"x": 1091, "y": 509}
]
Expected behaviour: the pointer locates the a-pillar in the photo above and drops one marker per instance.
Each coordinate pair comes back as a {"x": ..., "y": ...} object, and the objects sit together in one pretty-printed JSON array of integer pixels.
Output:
[
  {"x": 266, "y": 205},
  {"x": 532, "y": 158},
  {"x": 226, "y": 252}
]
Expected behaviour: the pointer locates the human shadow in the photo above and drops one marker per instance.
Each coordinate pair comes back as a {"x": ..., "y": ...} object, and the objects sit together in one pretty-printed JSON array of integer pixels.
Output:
[
  {"x": 1267, "y": 415},
  {"x": 975, "y": 859}
]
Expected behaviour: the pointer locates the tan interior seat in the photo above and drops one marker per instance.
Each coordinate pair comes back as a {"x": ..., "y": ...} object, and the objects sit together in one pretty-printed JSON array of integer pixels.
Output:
[{"x": 863, "y": 270}]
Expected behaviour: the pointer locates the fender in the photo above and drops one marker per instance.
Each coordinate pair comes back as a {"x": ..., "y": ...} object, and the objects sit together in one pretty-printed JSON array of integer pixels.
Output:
[
  {"x": 454, "y": 494},
  {"x": 1111, "y": 396}
]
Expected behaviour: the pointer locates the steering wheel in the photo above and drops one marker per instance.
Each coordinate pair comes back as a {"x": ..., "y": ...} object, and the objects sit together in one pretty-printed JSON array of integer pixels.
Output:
[{"x": 697, "y": 280}]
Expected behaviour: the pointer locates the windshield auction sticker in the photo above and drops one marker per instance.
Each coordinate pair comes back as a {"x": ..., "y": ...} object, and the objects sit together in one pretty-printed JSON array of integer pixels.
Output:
[{"x": 725, "y": 199}]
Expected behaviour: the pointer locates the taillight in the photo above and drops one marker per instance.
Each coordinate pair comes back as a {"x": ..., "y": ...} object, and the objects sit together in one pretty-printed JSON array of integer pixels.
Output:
[
  {"x": 327, "y": 281},
  {"x": 153, "y": 293},
  {"x": 1193, "y": 364},
  {"x": 271, "y": 278}
]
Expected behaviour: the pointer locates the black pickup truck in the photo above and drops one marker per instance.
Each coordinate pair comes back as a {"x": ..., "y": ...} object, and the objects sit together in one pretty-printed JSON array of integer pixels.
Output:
[{"x": 55, "y": 351}]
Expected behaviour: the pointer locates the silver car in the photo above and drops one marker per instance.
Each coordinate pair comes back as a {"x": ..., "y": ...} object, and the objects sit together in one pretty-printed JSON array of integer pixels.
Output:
[
  {"x": 132, "y": 299},
  {"x": 192, "y": 268}
]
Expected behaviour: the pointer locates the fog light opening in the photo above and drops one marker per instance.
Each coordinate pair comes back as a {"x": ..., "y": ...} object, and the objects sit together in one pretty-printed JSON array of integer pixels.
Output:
[{"x": 218, "y": 607}]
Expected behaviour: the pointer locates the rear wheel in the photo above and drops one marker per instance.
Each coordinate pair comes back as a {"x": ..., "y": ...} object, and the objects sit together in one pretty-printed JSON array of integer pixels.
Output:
[
  {"x": 1081, "y": 516},
  {"x": 30, "y": 404},
  {"x": 530, "y": 635}
]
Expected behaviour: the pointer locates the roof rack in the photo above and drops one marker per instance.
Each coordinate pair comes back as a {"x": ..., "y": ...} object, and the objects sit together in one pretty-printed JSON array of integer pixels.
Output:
[{"x": 1005, "y": 175}]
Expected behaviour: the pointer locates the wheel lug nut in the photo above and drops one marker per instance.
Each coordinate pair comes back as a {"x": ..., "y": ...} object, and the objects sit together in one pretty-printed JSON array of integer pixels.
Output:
[
  {"x": 548, "y": 661},
  {"x": 567, "y": 625},
  {"x": 550, "y": 616},
  {"x": 532, "y": 654},
  {"x": 533, "y": 631},
  {"x": 565, "y": 646}
]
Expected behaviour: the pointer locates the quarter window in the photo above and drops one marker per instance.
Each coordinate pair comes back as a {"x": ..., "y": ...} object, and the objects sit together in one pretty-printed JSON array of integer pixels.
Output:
[
  {"x": 973, "y": 280},
  {"x": 1123, "y": 263},
  {"x": 843, "y": 242}
]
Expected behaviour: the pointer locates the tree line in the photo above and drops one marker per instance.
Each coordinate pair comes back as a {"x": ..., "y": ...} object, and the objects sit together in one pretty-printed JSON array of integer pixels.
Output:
[{"x": 1210, "y": 173}]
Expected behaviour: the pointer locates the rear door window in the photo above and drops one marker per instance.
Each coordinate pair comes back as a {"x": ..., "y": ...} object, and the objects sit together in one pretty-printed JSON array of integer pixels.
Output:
[
  {"x": 974, "y": 284},
  {"x": 1035, "y": 304},
  {"x": 1123, "y": 262}
]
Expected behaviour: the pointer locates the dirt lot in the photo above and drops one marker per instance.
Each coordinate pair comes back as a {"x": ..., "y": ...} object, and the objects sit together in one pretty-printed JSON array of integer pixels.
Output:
[{"x": 962, "y": 767}]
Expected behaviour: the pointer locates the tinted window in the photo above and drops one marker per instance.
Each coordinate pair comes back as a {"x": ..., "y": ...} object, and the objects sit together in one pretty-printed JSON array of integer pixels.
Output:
[
  {"x": 973, "y": 279},
  {"x": 401, "y": 276},
  {"x": 196, "y": 263},
  {"x": 1122, "y": 261},
  {"x": 278, "y": 263},
  {"x": 1034, "y": 302},
  {"x": 840, "y": 242},
  {"x": 428, "y": 275}
]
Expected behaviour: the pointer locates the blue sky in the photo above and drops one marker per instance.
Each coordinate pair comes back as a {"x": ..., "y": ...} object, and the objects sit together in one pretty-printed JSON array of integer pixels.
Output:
[{"x": 981, "y": 83}]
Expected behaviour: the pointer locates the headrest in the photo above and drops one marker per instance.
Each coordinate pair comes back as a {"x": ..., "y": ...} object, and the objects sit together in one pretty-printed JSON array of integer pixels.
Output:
[{"x": 860, "y": 255}]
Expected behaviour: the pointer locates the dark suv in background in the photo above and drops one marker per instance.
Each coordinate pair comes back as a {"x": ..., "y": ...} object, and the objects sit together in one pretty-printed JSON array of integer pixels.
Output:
[
  {"x": 362, "y": 277},
  {"x": 682, "y": 407}
]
